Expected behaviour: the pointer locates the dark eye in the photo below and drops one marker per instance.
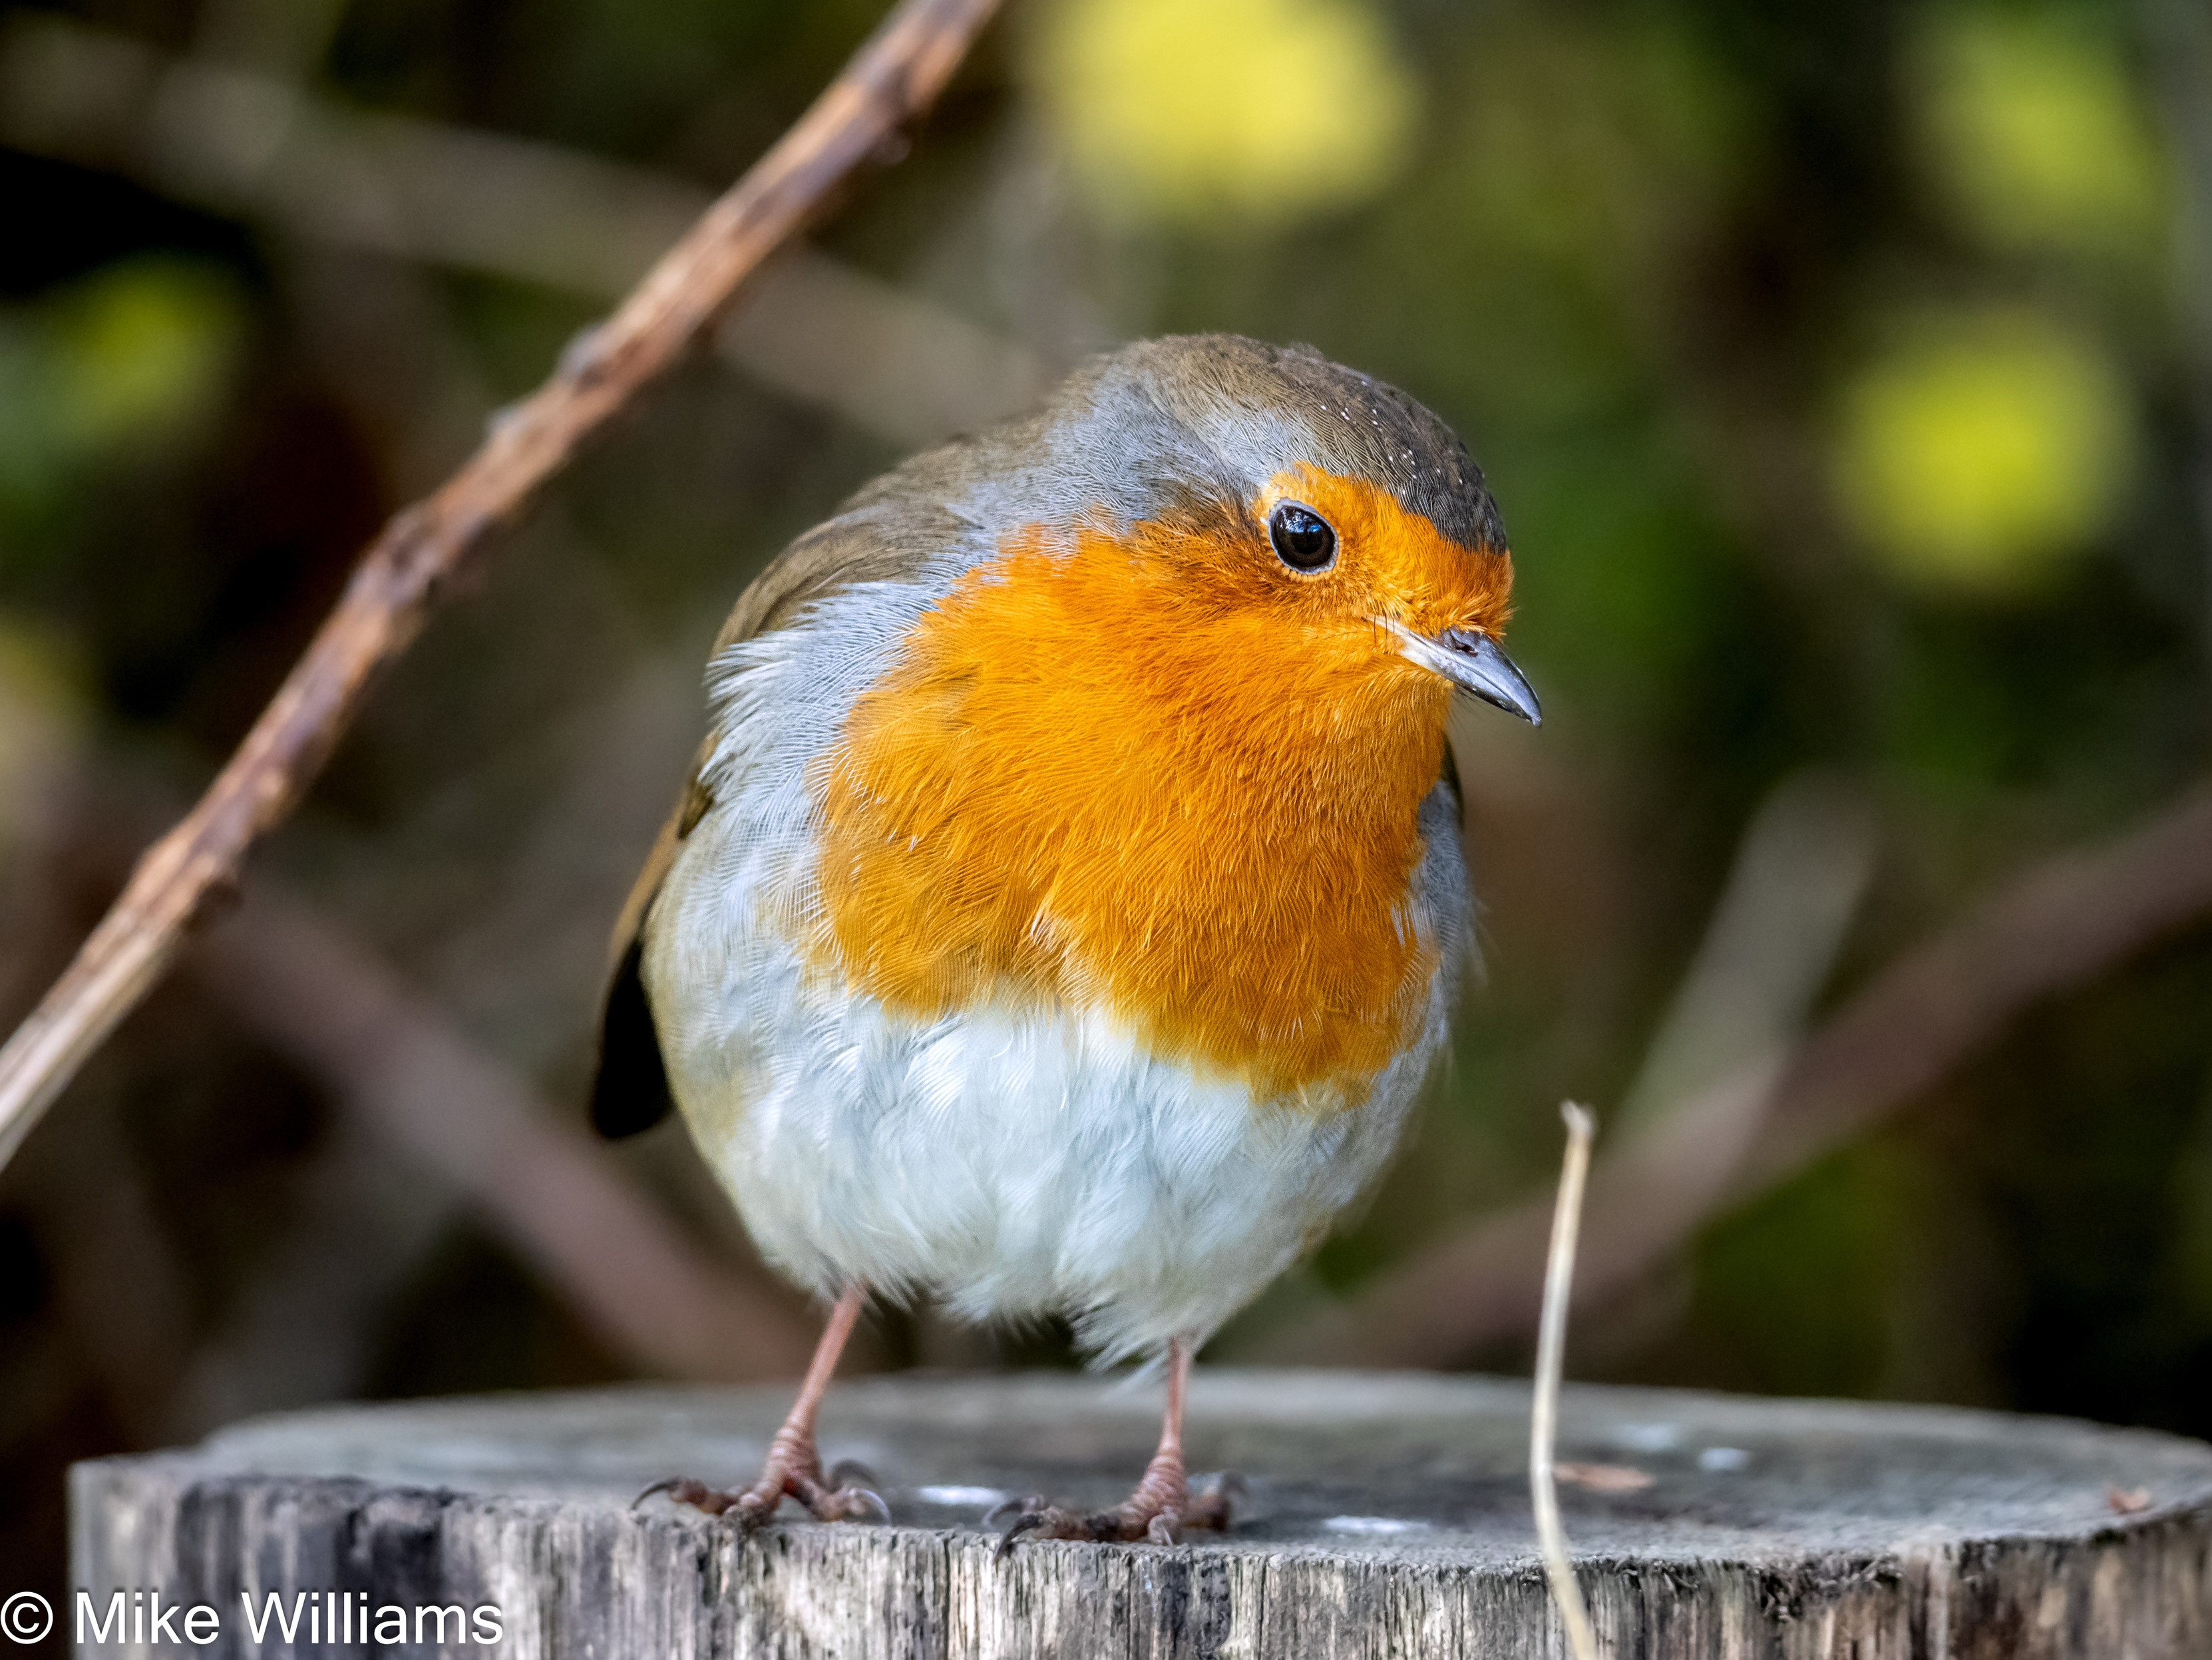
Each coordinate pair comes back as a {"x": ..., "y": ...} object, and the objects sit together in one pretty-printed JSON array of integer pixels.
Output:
[{"x": 1302, "y": 538}]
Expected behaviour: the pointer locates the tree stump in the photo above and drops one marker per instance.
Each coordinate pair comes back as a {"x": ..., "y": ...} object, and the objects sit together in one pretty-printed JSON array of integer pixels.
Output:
[{"x": 1388, "y": 1515}]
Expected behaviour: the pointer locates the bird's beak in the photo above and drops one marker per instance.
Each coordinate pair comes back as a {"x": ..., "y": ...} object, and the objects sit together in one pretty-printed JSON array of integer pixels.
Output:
[{"x": 1474, "y": 662}]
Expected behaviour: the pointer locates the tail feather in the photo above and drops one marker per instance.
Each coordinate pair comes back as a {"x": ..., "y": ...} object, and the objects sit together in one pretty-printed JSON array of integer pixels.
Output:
[{"x": 630, "y": 1093}]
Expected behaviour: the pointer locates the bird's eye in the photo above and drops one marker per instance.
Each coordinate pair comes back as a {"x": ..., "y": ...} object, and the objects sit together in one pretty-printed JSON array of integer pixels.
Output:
[{"x": 1302, "y": 536}]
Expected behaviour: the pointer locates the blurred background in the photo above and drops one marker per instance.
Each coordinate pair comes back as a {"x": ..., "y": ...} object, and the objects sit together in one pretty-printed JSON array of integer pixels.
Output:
[{"x": 1845, "y": 376}]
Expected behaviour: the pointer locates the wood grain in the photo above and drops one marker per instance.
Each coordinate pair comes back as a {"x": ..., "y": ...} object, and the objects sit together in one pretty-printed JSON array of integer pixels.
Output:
[{"x": 1389, "y": 1516}]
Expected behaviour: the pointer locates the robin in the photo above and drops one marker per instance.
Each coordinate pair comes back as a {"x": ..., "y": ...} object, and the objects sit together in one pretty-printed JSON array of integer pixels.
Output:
[{"x": 1068, "y": 902}]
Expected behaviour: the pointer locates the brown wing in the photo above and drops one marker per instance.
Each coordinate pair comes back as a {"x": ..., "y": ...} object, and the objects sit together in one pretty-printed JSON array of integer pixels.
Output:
[{"x": 883, "y": 535}]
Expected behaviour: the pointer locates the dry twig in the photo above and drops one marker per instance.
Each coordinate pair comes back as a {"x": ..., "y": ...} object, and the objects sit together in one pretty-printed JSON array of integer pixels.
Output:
[
  {"x": 600, "y": 377},
  {"x": 1551, "y": 1353},
  {"x": 2061, "y": 925}
]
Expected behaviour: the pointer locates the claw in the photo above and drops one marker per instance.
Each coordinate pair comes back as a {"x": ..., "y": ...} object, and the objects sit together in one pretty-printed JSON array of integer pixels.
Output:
[
  {"x": 855, "y": 1502},
  {"x": 1157, "y": 1513},
  {"x": 685, "y": 1491},
  {"x": 1028, "y": 1521},
  {"x": 1212, "y": 1506},
  {"x": 852, "y": 1473},
  {"x": 1165, "y": 1524}
]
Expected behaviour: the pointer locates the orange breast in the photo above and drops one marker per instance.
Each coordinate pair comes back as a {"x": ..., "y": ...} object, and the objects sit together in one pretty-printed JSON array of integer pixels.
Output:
[{"x": 1145, "y": 771}]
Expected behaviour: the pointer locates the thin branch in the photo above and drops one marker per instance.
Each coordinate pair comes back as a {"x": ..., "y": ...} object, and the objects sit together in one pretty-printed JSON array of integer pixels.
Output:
[
  {"x": 600, "y": 377},
  {"x": 1551, "y": 1354},
  {"x": 2063, "y": 925}
]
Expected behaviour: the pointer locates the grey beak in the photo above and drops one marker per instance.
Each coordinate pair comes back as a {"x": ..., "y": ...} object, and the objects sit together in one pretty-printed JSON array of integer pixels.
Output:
[{"x": 1473, "y": 661}]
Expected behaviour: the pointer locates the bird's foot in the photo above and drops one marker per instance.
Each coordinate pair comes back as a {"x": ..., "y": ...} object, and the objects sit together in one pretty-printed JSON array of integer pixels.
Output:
[
  {"x": 1159, "y": 1512},
  {"x": 793, "y": 1469}
]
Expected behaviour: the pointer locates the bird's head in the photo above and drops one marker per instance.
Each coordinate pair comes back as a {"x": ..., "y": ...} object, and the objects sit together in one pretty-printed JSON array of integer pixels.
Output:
[{"x": 1274, "y": 494}]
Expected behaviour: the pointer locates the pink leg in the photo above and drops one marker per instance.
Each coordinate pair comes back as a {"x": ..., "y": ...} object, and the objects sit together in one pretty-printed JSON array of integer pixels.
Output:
[
  {"x": 795, "y": 1466},
  {"x": 1160, "y": 1508}
]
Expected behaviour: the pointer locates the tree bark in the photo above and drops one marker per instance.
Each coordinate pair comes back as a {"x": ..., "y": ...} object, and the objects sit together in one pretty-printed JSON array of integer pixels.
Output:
[{"x": 1388, "y": 1515}]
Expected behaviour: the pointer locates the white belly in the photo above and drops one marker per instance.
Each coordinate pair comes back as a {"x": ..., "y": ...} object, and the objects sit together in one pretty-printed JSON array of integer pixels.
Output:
[{"x": 1011, "y": 1163}]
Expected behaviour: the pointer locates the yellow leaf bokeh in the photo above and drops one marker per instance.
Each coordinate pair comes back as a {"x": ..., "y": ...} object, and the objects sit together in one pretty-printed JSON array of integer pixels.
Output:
[
  {"x": 1979, "y": 454},
  {"x": 2037, "y": 136},
  {"x": 143, "y": 345},
  {"x": 1254, "y": 110}
]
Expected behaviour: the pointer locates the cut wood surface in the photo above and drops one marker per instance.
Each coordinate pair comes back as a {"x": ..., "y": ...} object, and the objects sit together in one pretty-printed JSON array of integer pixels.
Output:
[{"x": 1388, "y": 1515}]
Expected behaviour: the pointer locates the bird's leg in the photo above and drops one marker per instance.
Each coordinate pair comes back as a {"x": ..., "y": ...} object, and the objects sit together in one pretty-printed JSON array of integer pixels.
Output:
[
  {"x": 1159, "y": 1510},
  {"x": 795, "y": 1466}
]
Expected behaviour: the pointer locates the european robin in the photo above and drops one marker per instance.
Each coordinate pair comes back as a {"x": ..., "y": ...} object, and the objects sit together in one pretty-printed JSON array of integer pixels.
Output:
[{"x": 1068, "y": 901}]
